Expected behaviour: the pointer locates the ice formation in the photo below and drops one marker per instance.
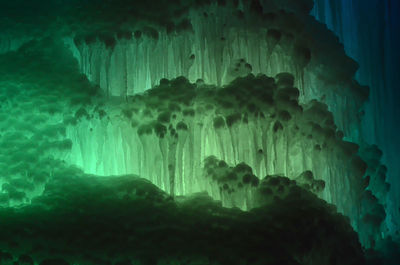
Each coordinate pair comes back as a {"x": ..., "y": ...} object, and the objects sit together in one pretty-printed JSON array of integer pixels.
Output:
[
  {"x": 82, "y": 226},
  {"x": 374, "y": 47},
  {"x": 252, "y": 103},
  {"x": 220, "y": 44},
  {"x": 165, "y": 134}
]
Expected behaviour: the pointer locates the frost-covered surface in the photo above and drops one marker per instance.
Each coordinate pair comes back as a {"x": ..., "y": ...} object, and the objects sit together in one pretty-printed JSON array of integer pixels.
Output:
[
  {"x": 36, "y": 97},
  {"x": 125, "y": 219}
]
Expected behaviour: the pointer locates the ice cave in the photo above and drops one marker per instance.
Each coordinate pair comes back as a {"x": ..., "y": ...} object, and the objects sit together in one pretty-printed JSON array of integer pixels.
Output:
[{"x": 199, "y": 132}]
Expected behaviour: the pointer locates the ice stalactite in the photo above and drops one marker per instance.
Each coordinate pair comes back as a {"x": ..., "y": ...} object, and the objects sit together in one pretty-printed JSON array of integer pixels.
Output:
[
  {"x": 371, "y": 38},
  {"x": 70, "y": 152},
  {"x": 165, "y": 137},
  {"x": 220, "y": 43}
]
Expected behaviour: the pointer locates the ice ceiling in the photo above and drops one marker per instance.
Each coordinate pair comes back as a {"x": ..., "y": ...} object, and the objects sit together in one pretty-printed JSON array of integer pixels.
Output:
[{"x": 243, "y": 120}]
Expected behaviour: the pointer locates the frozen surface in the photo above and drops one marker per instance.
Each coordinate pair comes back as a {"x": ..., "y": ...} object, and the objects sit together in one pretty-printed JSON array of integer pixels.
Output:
[
  {"x": 251, "y": 104},
  {"x": 372, "y": 39},
  {"x": 127, "y": 220}
]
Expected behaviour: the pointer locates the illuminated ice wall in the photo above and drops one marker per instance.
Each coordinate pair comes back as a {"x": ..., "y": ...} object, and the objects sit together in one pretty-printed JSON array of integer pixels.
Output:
[
  {"x": 223, "y": 97},
  {"x": 214, "y": 45}
]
